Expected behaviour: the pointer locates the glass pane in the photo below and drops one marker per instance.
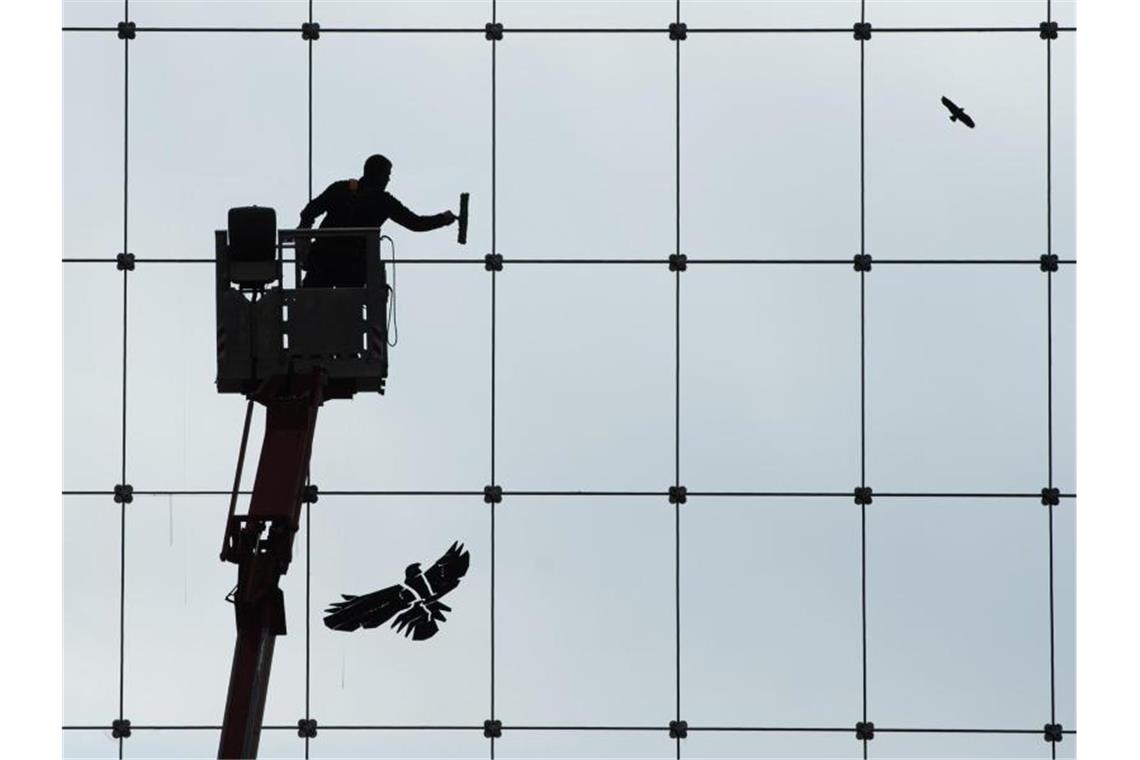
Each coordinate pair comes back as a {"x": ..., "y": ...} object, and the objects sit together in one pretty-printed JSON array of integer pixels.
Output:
[
  {"x": 759, "y": 186},
  {"x": 92, "y": 145},
  {"x": 433, "y": 126},
  {"x": 956, "y": 379},
  {"x": 582, "y": 744},
  {"x": 982, "y": 190},
  {"x": 585, "y": 614},
  {"x": 182, "y": 434},
  {"x": 585, "y": 386},
  {"x": 431, "y": 428},
  {"x": 990, "y": 746},
  {"x": 389, "y": 14},
  {"x": 203, "y": 744},
  {"x": 1065, "y": 378},
  {"x": 1065, "y": 146},
  {"x": 1065, "y": 12},
  {"x": 92, "y": 376},
  {"x": 813, "y": 746},
  {"x": 1065, "y": 611},
  {"x": 941, "y": 13},
  {"x": 90, "y": 745},
  {"x": 91, "y": 13},
  {"x": 262, "y": 13},
  {"x": 331, "y": 743},
  {"x": 90, "y": 616},
  {"x": 770, "y": 595},
  {"x": 229, "y": 130},
  {"x": 93, "y": 228},
  {"x": 770, "y": 378},
  {"x": 176, "y": 589},
  {"x": 592, "y": 143},
  {"x": 379, "y": 676},
  {"x": 577, "y": 14},
  {"x": 769, "y": 13},
  {"x": 957, "y": 613}
]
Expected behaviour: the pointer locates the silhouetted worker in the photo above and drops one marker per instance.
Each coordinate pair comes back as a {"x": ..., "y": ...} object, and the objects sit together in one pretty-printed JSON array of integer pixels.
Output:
[{"x": 360, "y": 202}]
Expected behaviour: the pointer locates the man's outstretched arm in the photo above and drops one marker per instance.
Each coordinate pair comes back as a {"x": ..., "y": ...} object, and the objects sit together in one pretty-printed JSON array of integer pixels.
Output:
[
  {"x": 315, "y": 208},
  {"x": 401, "y": 215}
]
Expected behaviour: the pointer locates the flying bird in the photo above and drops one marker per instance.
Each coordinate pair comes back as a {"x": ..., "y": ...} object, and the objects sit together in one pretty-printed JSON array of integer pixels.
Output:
[
  {"x": 414, "y": 603},
  {"x": 956, "y": 112}
]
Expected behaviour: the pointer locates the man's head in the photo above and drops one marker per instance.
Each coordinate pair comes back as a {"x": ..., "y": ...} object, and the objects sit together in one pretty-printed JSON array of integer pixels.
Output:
[{"x": 377, "y": 170}]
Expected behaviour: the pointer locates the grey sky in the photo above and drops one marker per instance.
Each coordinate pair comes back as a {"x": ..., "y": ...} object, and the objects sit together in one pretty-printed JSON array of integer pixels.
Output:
[{"x": 770, "y": 588}]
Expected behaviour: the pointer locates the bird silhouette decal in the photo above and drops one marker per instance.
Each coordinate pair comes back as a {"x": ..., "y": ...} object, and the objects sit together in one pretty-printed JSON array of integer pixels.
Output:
[
  {"x": 956, "y": 112},
  {"x": 415, "y": 603}
]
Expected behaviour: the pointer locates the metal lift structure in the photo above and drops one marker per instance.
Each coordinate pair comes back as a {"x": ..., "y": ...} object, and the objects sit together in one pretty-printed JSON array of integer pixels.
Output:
[{"x": 290, "y": 350}]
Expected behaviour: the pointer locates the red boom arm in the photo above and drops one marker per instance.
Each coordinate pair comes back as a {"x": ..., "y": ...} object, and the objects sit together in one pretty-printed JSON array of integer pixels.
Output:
[{"x": 261, "y": 544}]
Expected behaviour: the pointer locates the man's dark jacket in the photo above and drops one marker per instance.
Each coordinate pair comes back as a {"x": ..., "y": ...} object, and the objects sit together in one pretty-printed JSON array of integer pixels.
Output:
[{"x": 351, "y": 203}]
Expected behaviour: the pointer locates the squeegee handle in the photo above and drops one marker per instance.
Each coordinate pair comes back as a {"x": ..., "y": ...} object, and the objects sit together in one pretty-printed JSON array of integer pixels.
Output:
[{"x": 463, "y": 197}]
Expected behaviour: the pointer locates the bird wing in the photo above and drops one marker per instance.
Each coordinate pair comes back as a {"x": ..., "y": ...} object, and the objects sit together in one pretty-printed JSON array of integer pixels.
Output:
[
  {"x": 444, "y": 575},
  {"x": 965, "y": 119},
  {"x": 369, "y": 610},
  {"x": 949, "y": 103},
  {"x": 418, "y": 621}
]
